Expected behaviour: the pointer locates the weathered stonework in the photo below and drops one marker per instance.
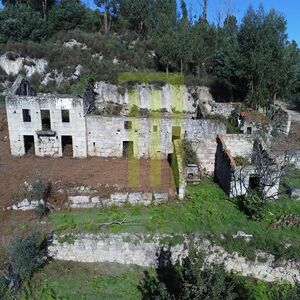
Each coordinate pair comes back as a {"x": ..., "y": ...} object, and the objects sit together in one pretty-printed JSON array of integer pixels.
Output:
[
  {"x": 150, "y": 137},
  {"x": 46, "y": 145},
  {"x": 118, "y": 199},
  {"x": 235, "y": 179},
  {"x": 144, "y": 250}
]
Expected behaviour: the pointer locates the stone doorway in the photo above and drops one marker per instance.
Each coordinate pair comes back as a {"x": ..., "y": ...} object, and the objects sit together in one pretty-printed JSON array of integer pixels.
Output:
[
  {"x": 29, "y": 144},
  {"x": 128, "y": 149},
  {"x": 67, "y": 145}
]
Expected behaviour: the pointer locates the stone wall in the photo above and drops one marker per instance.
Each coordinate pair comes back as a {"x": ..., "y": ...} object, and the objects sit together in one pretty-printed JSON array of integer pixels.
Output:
[
  {"x": 144, "y": 249},
  {"x": 239, "y": 144},
  {"x": 46, "y": 145},
  {"x": 281, "y": 121},
  {"x": 150, "y": 137},
  {"x": 153, "y": 97},
  {"x": 222, "y": 108},
  {"x": 117, "y": 199}
]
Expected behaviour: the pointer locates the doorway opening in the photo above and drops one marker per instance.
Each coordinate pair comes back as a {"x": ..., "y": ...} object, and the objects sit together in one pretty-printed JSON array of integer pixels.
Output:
[
  {"x": 128, "y": 149},
  {"x": 67, "y": 145},
  {"x": 29, "y": 144},
  {"x": 254, "y": 182}
]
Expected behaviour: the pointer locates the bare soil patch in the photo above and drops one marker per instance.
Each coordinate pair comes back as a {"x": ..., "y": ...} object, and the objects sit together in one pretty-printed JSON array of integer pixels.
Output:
[{"x": 105, "y": 175}]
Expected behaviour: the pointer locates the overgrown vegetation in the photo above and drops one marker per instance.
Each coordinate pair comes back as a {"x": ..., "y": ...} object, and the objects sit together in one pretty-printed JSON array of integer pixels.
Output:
[
  {"x": 188, "y": 153},
  {"x": 195, "y": 279},
  {"x": 25, "y": 256},
  {"x": 252, "y": 61},
  {"x": 206, "y": 210}
]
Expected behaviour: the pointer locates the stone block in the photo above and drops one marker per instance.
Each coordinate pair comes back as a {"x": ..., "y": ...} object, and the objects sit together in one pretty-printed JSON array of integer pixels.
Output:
[
  {"x": 296, "y": 194},
  {"x": 95, "y": 200},
  {"x": 160, "y": 198},
  {"x": 79, "y": 199},
  {"x": 135, "y": 198},
  {"x": 119, "y": 197},
  {"x": 147, "y": 198}
]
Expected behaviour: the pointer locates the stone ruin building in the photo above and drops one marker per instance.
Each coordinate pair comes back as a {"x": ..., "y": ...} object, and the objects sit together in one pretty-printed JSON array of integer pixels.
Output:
[{"x": 55, "y": 126}]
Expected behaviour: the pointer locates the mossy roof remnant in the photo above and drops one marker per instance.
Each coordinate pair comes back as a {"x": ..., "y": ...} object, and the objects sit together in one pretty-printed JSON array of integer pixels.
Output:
[
  {"x": 251, "y": 115},
  {"x": 241, "y": 161}
]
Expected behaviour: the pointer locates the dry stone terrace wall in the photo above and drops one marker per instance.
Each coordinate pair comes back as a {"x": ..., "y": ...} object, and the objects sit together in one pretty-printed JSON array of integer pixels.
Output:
[
  {"x": 150, "y": 137},
  {"x": 143, "y": 250},
  {"x": 117, "y": 199},
  {"x": 46, "y": 145}
]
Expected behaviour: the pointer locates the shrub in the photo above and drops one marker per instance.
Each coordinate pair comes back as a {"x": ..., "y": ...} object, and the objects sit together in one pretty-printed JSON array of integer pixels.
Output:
[
  {"x": 40, "y": 189},
  {"x": 253, "y": 206},
  {"x": 42, "y": 210},
  {"x": 27, "y": 255},
  {"x": 3, "y": 286},
  {"x": 193, "y": 280},
  {"x": 189, "y": 155}
]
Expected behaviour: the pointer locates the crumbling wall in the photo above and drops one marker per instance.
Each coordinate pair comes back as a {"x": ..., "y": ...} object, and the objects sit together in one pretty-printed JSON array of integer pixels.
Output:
[
  {"x": 46, "y": 144},
  {"x": 281, "y": 121},
  {"x": 239, "y": 144},
  {"x": 154, "y": 97},
  {"x": 224, "y": 165},
  {"x": 151, "y": 137},
  {"x": 268, "y": 169}
]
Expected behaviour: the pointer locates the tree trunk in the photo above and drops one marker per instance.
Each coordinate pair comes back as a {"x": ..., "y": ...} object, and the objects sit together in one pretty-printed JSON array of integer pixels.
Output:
[
  {"x": 204, "y": 11},
  {"x": 105, "y": 21},
  {"x": 181, "y": 66},
  {"x": 198, "y": 71},
  {"x": 44, "y": 4}
]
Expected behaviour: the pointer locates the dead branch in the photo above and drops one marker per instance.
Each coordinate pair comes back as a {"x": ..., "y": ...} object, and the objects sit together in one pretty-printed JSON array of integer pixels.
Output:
[{"x": 114, "y": 223}]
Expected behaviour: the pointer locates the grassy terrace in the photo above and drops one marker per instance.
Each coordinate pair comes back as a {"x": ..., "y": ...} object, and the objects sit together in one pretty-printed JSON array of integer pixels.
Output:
[
  {"x": 70, "y": 281},
  {"x": 206, "y": 210}
]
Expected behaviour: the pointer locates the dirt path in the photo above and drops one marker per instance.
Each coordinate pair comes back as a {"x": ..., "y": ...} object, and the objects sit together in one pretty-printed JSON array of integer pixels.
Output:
[{"x": 290, "y": 109}]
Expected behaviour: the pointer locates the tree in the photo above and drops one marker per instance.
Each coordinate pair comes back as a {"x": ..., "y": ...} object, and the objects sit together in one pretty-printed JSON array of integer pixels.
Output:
[
  {"x": 138, "y": 14},
  {"x": 70, "y": 14},
  {"x": 41, "y": 6},
  {"x": 110, "y": 8},
  {"x": 203, "y": 42},
  {"x": 204, "y": 10},
  {"x": 20, "y": 22},
  {"x": 262, "y": 39}
]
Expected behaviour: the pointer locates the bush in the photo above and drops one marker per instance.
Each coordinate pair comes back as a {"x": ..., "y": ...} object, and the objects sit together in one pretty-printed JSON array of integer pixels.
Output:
[
  {"x": 42, "y": 210},
  {"x": 40, "y": 189},
  {"x": 192, "y": 280},
  {"x": 253, "y": 206},
  {"x": 189, "y": 155},
  {"x": 3, "y": 286},
  {"x": 27, "y": 255}
]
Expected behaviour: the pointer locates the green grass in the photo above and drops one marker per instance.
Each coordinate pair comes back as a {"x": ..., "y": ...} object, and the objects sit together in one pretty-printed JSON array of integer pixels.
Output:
[
  {"x": 292, "y": 178},
  {"x": 206, "y": 210},
  {"x": 70, "y": 281}
]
